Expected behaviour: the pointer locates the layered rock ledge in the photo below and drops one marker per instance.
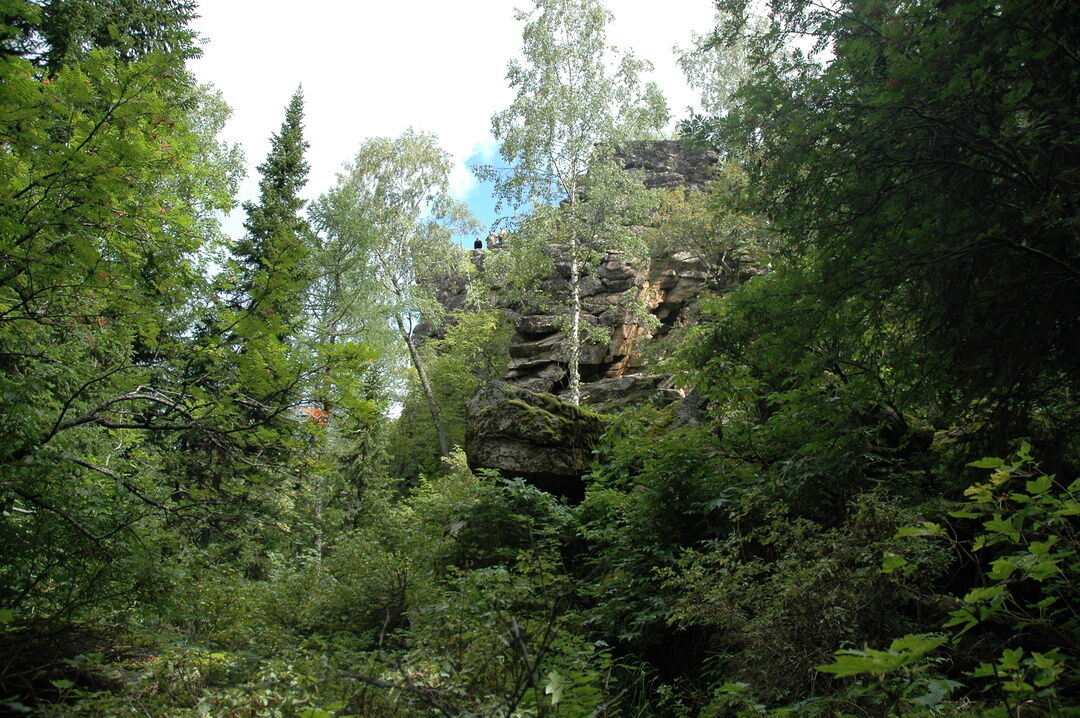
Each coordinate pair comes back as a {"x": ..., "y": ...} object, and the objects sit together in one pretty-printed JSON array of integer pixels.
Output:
[{"x": 535, "y": 436}]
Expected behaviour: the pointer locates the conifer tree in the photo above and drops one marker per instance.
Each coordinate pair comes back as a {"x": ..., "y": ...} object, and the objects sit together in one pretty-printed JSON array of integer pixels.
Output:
[
  {"x": 131, "y": 29},
  {"x": 267, "y": 282},
  {"x": 272, "y": 274}
]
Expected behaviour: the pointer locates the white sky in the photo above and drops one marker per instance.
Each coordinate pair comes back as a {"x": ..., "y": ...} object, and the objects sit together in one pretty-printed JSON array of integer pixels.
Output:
[{"x": 372, "y": 67}]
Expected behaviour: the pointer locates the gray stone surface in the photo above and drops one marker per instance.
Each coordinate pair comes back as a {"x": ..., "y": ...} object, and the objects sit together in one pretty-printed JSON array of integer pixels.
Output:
[
  {"x": 613, "y": 393},
  {"x": 519, "y": 428},
  {"x": 518, "y": 432},
  {"x": 668, "y": 164}
]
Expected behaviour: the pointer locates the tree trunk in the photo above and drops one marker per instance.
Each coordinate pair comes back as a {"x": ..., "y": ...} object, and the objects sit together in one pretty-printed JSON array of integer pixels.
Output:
[
  {"x": 318, "y": 520},
  {"x": 444, "y": 447},
  {"x": 574, "y": 348}
]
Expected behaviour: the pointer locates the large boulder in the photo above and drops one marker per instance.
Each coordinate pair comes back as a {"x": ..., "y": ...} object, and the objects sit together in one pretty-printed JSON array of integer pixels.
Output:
[
  {"x": 532, "y": 435},
  {"x": 613, "y": 393}
]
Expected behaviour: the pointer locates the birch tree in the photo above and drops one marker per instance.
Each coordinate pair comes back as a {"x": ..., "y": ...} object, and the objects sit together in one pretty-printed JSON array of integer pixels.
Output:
[
  {"x": 398, "y": 191},
  {"x": 577, "y": 100}
]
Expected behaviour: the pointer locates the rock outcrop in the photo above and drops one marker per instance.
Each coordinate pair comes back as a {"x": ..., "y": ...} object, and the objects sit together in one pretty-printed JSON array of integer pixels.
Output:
[
  {"x": 668, "y": 164},
  {"x": 631, "y": 302},
  {"x": 520, "y": 427},
  {"x": 546, "y": 441}
]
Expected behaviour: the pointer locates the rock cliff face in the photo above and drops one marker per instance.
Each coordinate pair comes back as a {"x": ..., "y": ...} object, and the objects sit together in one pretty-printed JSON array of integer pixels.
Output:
[
  {"x": 633, "y": 301},
  {"x": 667, "y": 164},
  {"x": 519, "y": 427}
]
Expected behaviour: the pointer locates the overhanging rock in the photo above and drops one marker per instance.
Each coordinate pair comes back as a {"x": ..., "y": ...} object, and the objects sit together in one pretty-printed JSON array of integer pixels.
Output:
[{"x": 535, "y": 436}]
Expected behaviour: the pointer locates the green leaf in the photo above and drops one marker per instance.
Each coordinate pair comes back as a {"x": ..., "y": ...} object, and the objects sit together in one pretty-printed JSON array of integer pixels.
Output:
[
  {"x": 1046, "y": 602},
  {"x": 1008, "y": 526},
  {"x": 1042, "y": 548},
  {"x": 1069, "y": 507},
  {"x": 891, "y": 561},
  {"x": 1002, "y": 569},
  {"x": 926, "y": 528},
  {"x": 936, "y": 691},
  {"x": 1010, "y": 659},
  {"x": 901, "y": 652},
  {"x": 989, "y": 462},
  {"x": 1039, "y": 486}
]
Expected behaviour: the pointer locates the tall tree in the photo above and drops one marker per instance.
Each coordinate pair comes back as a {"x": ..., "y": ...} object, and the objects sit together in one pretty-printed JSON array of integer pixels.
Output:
[
  {"x": 344, "y": 312},
  {"x": 129, "y": 28},
  {"x": 398, "y": 191},
  {"x": 575, "y": 104},
  {"x": 716, "y": 69},
  {"x": 251, "y": 358},
  {"x": 400, "y": 188},
  {"x": 267, "y": 279},
  {"x": 925, "y": 167},
  {"x": 110, "y": 179},
  {"x": 271, "y": 274}
]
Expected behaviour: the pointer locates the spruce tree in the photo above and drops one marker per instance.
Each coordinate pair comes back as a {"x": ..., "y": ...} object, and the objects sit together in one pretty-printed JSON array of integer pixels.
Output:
[
  {"x": 267, "y": 281},
  {"x": 132, "y": 29},
  {"x": 271, "y": 260}
]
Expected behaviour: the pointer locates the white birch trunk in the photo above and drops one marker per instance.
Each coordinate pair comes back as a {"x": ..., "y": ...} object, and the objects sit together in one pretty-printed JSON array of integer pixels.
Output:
[
  {"x": 444, "y": 446},
  {"x": 574, "y": 368}
]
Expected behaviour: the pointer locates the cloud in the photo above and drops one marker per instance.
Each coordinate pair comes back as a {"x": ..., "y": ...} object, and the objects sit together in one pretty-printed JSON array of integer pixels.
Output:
[{"x": 374, "y": 69}]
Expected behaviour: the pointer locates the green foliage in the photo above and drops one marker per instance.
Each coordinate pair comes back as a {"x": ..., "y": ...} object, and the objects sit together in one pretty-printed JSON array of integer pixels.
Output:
[
  {"x": 806, "y": 390},
  {"x": 901, "y": 166},
  {"x": 270, "y": 276},
  {"x": 570, "y": 99},
  {"x": 654, "y": 494},
  {"x": 716, "y": 69},
  {"x": 194, "y": 511},
  {"x": 112, "y": 177},
  {"x": 777, "y": 597},
  {"x": 1026, "y": 549},
  {"x": 393, "y": 197},
  {"x": 499, "y": 641},
  {"x": 575, "y": 105},
  {"x": 728, "y": 243},
  {"x": 131, "y": 29},
  {"x": 266, "y": 279},
  {"x": 471, "y": 352},
  {"x": 393, "y": 200}
]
